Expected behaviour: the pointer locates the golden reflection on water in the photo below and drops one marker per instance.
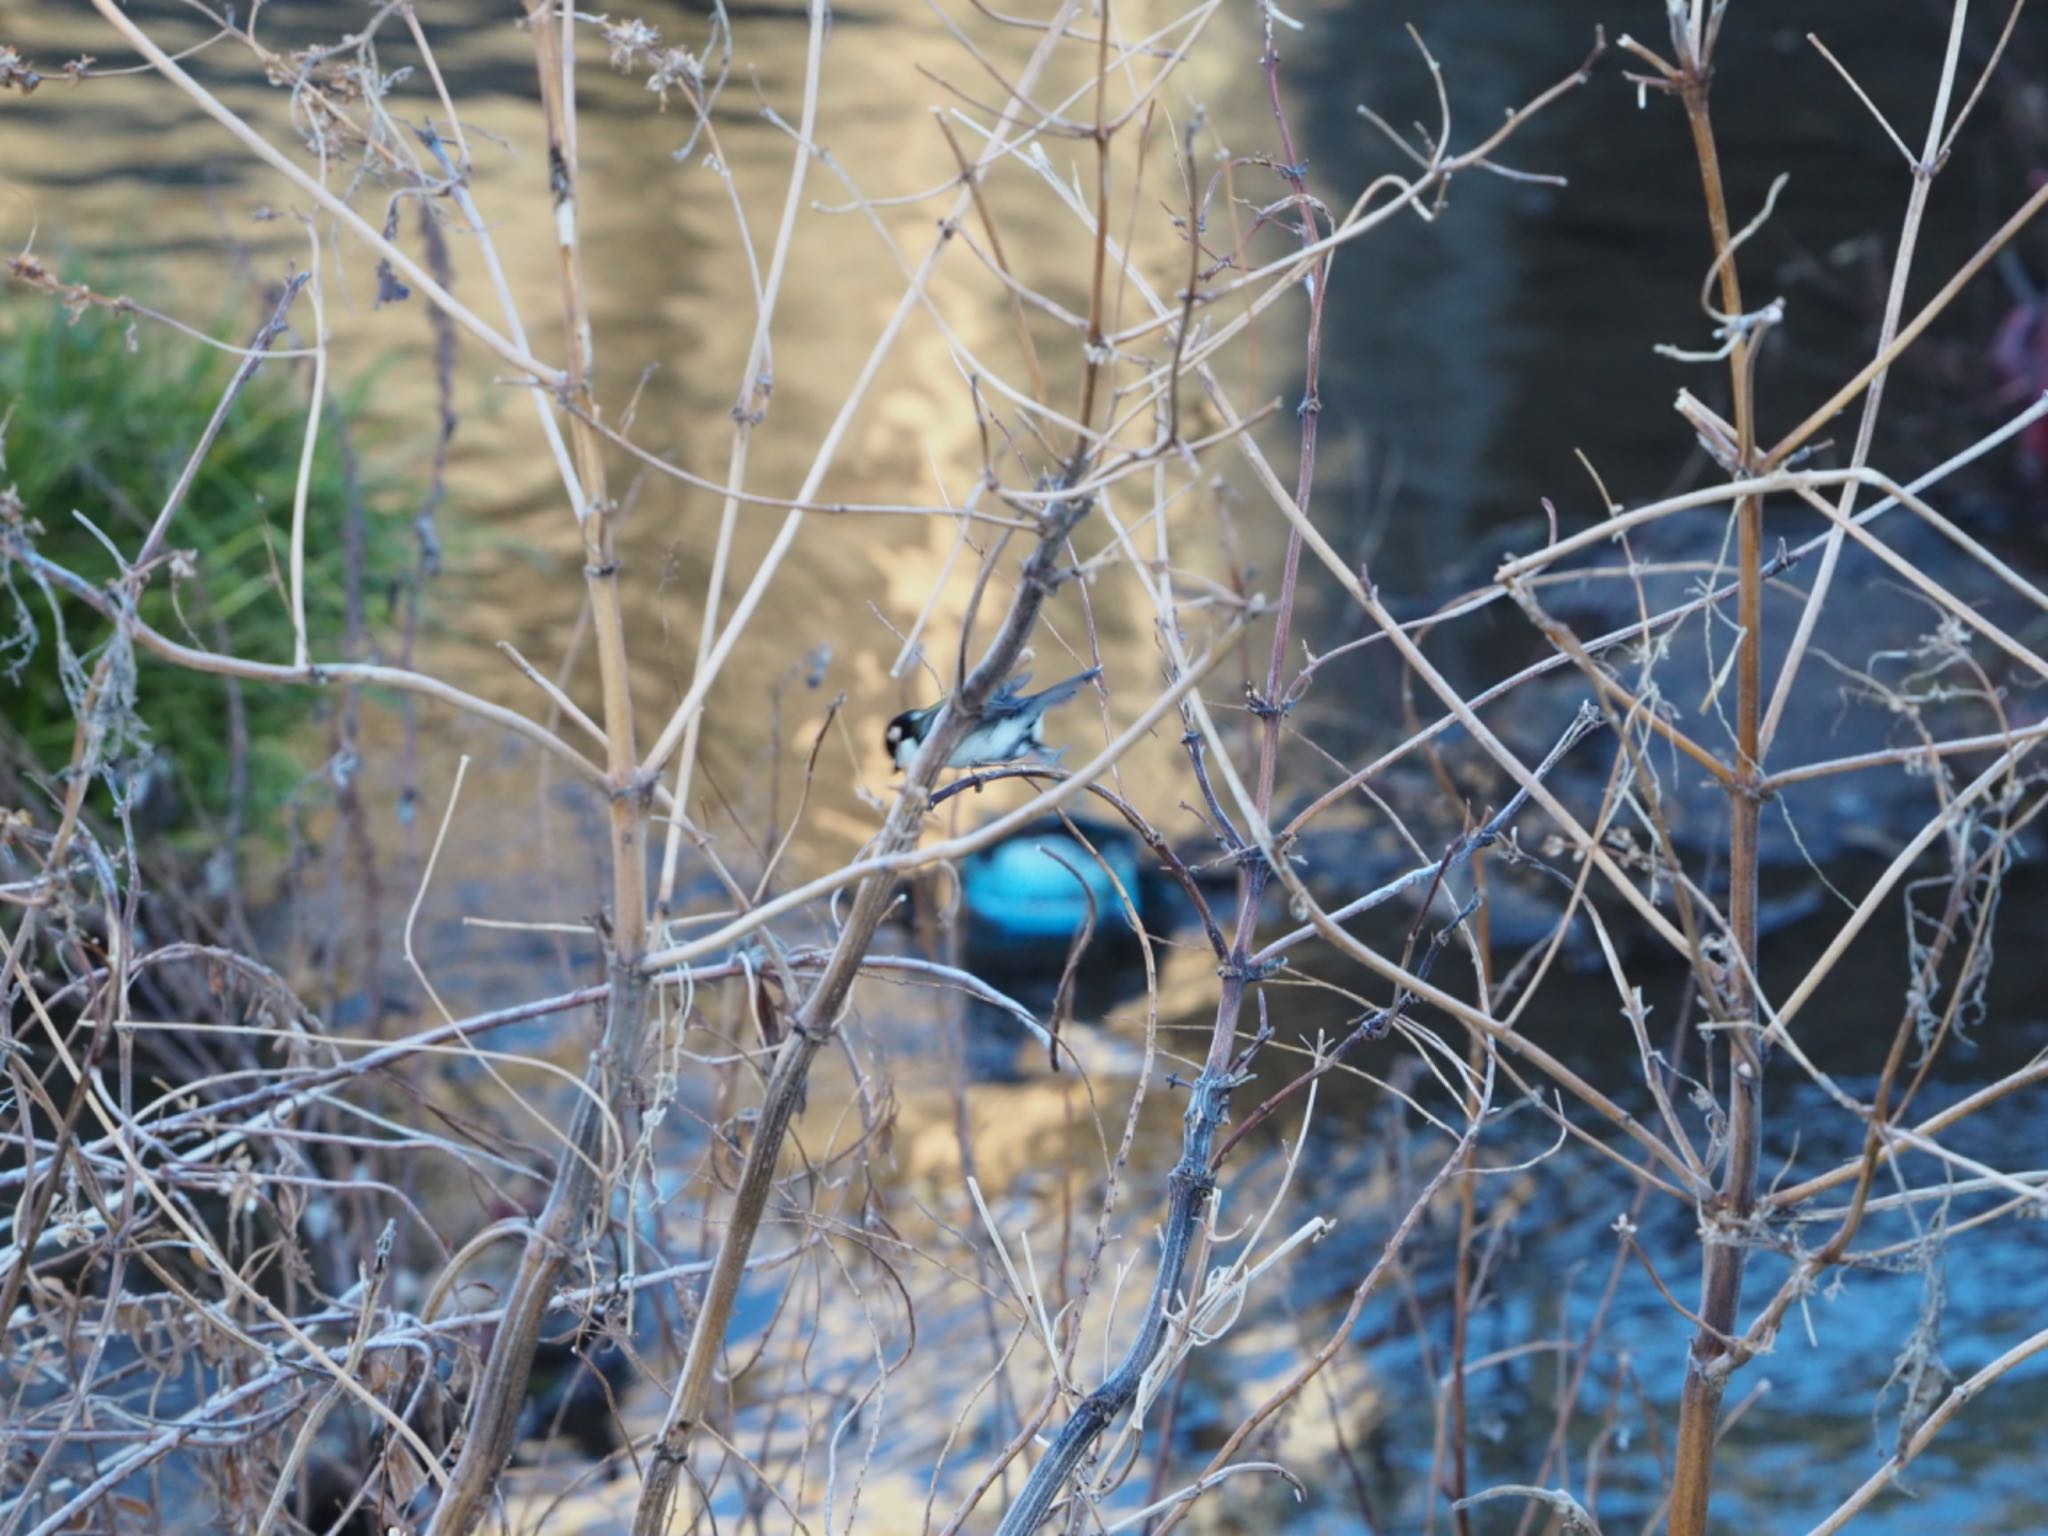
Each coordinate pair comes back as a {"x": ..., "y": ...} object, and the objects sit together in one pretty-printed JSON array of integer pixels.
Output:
[
  {"x": 126, "y": 170},
  {"x": 123, "y": 174}
]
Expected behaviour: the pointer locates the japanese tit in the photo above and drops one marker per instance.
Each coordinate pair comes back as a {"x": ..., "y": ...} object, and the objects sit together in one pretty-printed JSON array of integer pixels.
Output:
[{"x": 1012, "y": 725}]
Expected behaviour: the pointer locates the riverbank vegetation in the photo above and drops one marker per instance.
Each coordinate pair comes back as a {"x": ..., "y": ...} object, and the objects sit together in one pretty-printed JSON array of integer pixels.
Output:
[{"x": 97, "y": 425}]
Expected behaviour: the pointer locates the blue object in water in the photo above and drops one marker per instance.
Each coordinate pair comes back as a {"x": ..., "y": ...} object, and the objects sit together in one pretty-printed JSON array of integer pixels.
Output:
[{"x": 1037, "y": 886}]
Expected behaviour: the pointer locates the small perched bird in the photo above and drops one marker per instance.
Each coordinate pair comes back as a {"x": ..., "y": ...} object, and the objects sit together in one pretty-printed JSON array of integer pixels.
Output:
[{"x": 1011, "y": 726}]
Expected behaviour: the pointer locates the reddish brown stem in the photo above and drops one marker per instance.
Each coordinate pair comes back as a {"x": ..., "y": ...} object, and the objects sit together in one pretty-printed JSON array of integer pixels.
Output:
[{"x": 1709, "y": 1363}]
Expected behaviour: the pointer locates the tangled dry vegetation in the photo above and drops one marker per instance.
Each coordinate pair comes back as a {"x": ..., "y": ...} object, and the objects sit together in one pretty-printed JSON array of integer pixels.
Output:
[{"x": 232, "y": 1293}]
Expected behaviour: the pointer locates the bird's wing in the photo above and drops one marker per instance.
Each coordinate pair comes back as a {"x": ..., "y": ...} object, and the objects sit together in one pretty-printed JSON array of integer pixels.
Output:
[{"x": 1009, "y": 693}]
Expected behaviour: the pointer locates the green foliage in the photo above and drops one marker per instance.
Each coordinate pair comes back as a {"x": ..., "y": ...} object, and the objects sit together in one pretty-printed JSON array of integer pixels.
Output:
[{"x": 97, "y": 431}]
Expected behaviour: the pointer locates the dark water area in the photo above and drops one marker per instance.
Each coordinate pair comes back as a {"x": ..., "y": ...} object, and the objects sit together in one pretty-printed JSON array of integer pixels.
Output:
[
  {"x": 1469, "y": 362},
  {"x": 1524, "y": 320},
  {"x": 1463, "y": 364}
]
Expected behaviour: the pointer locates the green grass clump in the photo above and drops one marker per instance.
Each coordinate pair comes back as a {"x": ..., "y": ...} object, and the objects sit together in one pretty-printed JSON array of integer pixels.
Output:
[{"x": 96, "y": 432}]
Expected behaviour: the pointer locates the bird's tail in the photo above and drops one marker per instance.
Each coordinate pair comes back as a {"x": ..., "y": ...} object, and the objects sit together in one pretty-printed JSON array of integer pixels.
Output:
[{"x": 1059, "y": 693}]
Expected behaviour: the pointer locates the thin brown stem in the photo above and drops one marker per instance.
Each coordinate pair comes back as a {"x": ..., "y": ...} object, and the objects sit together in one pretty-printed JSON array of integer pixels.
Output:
[{"x": 1726, "y": 1217}]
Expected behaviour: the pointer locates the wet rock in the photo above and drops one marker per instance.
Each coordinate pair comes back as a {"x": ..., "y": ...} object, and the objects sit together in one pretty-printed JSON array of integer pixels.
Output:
[
  {"x": 1887, "y": 668},
  {"x": 574, "y": 1393}
]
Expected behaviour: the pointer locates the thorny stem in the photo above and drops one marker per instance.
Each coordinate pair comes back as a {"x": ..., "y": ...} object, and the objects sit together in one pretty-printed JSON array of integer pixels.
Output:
[
  {"x": 1725, "y": 1219},
  {"x": 573, "y": 1205},
  {"x": 1311, "y": 410},
  {"x": 1098, "y": 289},
  {"x": 819, "y": 1015},
  {"x": 1190, "y": 1187}
]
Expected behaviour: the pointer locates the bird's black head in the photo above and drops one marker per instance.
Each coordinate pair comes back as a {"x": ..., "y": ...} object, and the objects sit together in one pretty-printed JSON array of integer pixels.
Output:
[{"x": 902, "y": 730}]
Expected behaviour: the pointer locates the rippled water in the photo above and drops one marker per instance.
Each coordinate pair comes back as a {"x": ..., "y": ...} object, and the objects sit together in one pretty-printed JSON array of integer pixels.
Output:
[{"x": 1465, "y": 362}]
